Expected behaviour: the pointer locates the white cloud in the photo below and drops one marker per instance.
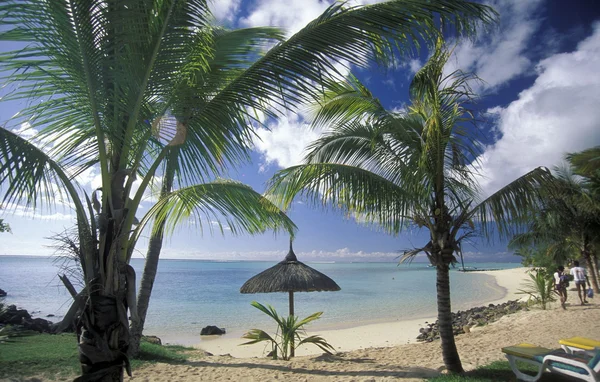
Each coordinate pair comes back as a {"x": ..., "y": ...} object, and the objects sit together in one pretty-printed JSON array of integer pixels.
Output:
[
  {"x": 225, "y": 10},
  {"x": 25, "y": 131},
  {"x": 559, "y": 113},
  {"x": 285, "y": 143},
  {"x": 291, "y": 15},
  {"x": 502, "y": 55},
  {"x": 339, "y": 255},
  {"x": 19, "y": 210}
]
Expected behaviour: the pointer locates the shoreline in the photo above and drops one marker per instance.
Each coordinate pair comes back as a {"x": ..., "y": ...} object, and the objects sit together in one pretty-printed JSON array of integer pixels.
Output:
[{"x": 348, "y": 337}]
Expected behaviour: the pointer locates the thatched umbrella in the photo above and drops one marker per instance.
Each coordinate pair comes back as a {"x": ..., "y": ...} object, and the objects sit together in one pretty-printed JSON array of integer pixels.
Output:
[{"x": 290, "y": 276}]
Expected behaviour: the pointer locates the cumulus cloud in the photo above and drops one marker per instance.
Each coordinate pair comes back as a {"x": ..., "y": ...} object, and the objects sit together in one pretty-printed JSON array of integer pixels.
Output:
[
  {"x": 559, "y": 113},
  {"x": 225, "y": 10},
  {"x": 502, "y": 55},
  {"x": 291, "y": 15},
  {"x": 285, "y": 140}
]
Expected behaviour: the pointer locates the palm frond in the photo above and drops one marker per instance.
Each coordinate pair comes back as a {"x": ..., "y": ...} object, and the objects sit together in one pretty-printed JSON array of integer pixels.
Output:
[
  {"x": 318, "y": 341},
  {"x": 349, "y": 188},
  {"x": 510, "y": 208},
  {"x": 586, "y": 162},
  {"x": 304, "y": 321},
  {"x": 409, "y": 254},
  {"x": 29, "y": 176},
  {"x": 224, "y": 203},
  {"x": 256, "y": 336}
]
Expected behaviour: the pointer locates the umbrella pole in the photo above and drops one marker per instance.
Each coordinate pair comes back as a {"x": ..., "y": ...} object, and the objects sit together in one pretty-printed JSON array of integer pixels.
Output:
[{"x": 291, "y": 294}]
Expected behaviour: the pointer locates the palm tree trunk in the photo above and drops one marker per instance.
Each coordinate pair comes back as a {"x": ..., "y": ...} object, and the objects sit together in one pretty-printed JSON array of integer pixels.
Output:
[
  {"x": 103, "y": 339},
  {"x": 449, "y": 351},
  {"x": 592, "y": 274},
  {"x": 586, "y": 253},
  {"x": 151, "y": 264},
  {"x": 595, "y": 264},
  {"x": 148, "y": 277}
]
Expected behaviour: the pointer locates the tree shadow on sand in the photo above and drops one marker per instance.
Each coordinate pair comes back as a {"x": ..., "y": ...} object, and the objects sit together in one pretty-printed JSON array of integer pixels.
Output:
[{"x": 380, "y": 371}]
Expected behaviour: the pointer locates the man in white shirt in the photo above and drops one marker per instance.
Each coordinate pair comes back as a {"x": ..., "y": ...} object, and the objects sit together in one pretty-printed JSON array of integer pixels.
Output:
[{"x": 580, "y": 279}]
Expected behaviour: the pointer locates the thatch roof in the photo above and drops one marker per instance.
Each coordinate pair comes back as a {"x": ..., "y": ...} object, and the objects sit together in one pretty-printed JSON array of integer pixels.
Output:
[{"x": 290, "y": 275}]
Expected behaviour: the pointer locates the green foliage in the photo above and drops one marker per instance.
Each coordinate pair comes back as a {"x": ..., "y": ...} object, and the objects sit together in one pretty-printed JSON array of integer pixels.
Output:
[
  {"x": 290, "y": 333},
  {"x": 4, "y": 227},
  {"x": 56, "y": 356},
  {"x": 540, "y": 288},
  {"x": 536, "y": 257}
]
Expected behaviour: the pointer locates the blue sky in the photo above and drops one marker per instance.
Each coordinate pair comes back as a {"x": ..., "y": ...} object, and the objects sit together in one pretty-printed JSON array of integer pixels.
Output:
[{"x": 540, "y": 100}]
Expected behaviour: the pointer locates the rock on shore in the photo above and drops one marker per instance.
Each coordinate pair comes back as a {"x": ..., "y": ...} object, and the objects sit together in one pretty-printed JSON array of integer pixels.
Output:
[
  {"x": 462, "y": 321},
  {"x": 21, "y": 317}
]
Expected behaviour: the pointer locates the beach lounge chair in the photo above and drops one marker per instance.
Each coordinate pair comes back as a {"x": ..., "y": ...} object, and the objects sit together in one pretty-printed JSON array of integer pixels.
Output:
[
  {"x": 581, "y": 366},
  {"x": 574, "y": 344}
]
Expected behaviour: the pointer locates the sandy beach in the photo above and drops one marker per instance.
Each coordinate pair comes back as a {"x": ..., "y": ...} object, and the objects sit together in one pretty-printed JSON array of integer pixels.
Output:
[{"x": 387, "y": 351}]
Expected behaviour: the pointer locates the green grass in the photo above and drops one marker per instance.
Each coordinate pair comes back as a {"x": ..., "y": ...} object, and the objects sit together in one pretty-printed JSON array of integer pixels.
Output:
[
  {"x": 497, "y": 371},
  {"x": 56, "y": 356}
]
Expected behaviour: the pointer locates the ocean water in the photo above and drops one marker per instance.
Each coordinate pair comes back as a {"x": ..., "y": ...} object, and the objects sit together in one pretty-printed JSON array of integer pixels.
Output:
[{"x": 190, "y": 294}]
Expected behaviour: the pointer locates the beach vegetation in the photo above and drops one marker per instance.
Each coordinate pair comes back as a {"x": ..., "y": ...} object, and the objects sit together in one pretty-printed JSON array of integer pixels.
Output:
[
  {"x": 535, "y": 257},
  {"x": 4, "y": 227},
  {"x": 567, "y": 223},
  {"x": 539, "y": 288},
  {"x": 418, "y": 167},
  {"x": 290, "y": 333},
  {"x": 158, "y": 102}
]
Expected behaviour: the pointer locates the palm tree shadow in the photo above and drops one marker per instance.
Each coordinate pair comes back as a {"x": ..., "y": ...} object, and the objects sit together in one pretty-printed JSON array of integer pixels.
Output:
[{"x": 389, "y": 371}]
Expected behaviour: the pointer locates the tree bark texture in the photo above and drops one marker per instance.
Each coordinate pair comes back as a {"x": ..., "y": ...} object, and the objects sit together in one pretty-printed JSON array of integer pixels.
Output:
[
  {"x": 592, "y": 274},
  {"x": 148, "y": 277},
  {"x": 449, "y": 351},
  {"x": 103, "y": 339}
]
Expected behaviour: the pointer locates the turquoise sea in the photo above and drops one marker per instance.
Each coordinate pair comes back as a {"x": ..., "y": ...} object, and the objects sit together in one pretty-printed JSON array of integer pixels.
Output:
[{"x": 190, "y": 294}]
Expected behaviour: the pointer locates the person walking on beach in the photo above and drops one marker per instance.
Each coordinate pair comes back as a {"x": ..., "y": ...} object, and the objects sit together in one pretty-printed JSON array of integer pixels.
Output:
[
  {"x": 580, "y": 278},
  {"x": 561, "y": 282}
]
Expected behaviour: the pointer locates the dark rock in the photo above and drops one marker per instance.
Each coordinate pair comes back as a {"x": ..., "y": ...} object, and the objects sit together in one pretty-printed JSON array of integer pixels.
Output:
[
  {"x": 2, "y": 293},
  {"x": 464, "y": 320},
  {"x": 152, "y": 339},
  {"x": 14, "y": 316},
  {"x": 38, "y": 325},
  {"x": 50, "y": 315},
  {"x": 211, "y": 330},
  {"x": 23, "y": 320}
]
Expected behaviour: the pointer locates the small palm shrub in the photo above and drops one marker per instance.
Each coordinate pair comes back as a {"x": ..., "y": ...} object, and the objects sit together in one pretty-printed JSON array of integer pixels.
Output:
[
  {"x": 290, "y": 333},
  {"x": 540, "y": 288}
]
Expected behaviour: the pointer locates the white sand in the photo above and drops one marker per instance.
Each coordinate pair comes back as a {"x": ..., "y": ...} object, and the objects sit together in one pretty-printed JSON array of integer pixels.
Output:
[{"x": 377, "y": 359}]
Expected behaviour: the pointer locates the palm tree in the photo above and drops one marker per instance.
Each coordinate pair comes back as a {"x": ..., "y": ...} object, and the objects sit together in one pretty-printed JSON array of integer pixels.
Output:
[
  {"x": 126, "y": 87},
  {"x": 395, "y": 168},
  {"x": 567, "y": 224},
  {"x": 587, "y": 164}
]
